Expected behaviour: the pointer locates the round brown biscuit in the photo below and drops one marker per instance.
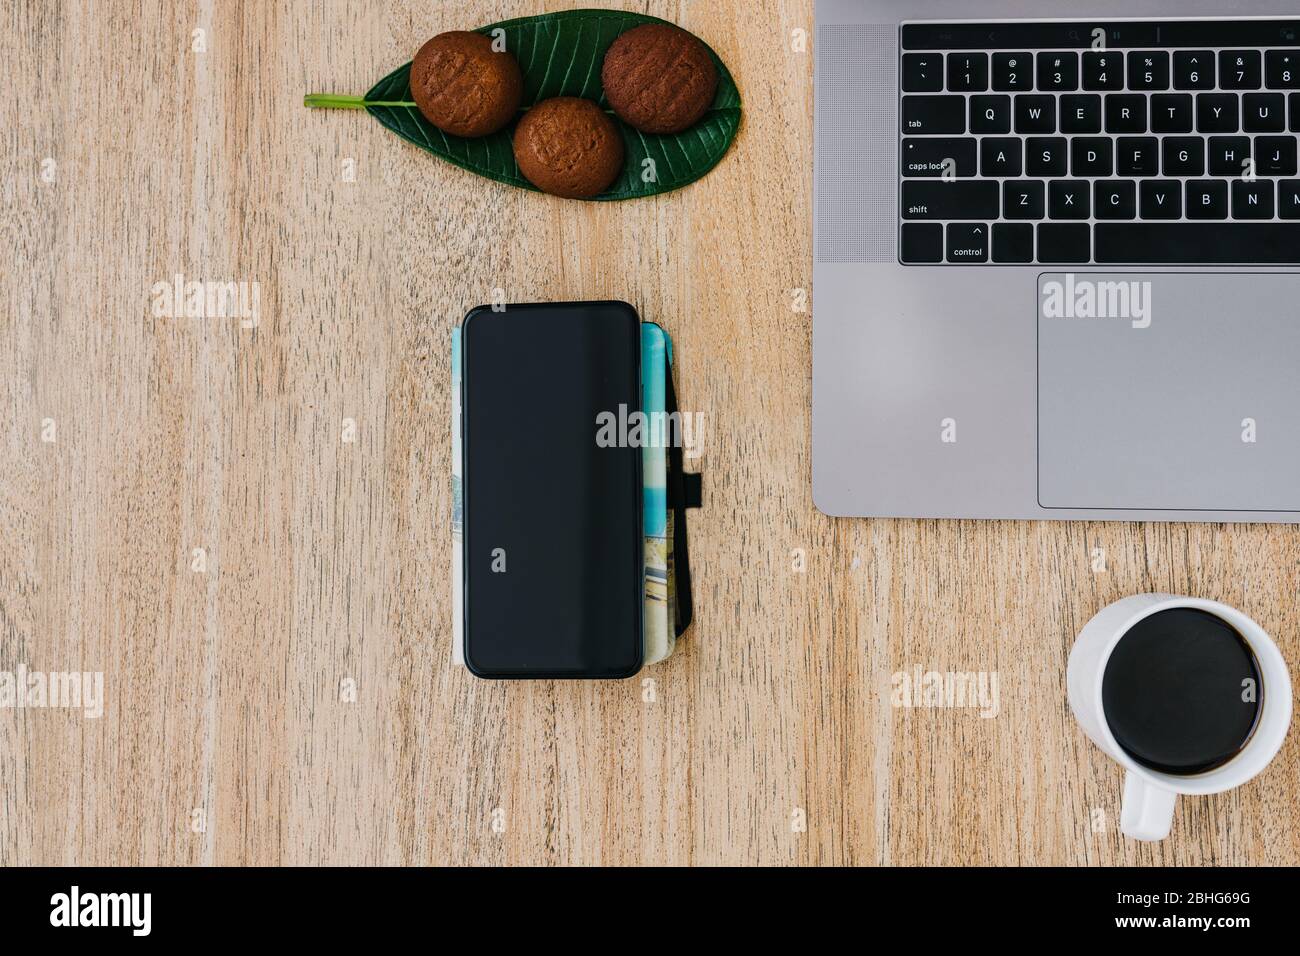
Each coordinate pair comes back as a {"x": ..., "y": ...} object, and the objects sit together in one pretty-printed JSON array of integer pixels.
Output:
[
  {"x": 569, "y": 147},
  {"x": 659, "y": 78},
  {"x": 464, "y": 87}
]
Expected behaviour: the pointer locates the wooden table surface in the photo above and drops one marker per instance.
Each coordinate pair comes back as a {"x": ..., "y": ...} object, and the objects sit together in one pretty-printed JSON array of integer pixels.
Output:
[{"x": 246, "y": 529}]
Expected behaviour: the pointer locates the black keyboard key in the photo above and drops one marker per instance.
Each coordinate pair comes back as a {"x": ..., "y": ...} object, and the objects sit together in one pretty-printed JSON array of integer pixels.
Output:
[
  {"x": 1023, "y": 199},
  {"x": 1275, "y": 156},
  {"x": 1058, "y": 72},
  {"x": 1207, "y": 199},
  {"x": 1217, "y": 113},
  {"x": 922, "y": 72},
  {"x": 1193, "y": 70},
  {"x": 1001, "y": 157},
  {"x": 1064, "y": 242},
  {"x": 1092, "y": 157},
  {"x": 1263, "y": 112},
  {"x": 968, "y": 242},
  {"x": 929, "y": 157},
  {"x": 1013, "y": 71},
  {"x": 957, "y": 200},
  {"x": 1171, "y": 113},
  {"x": 1047, "y": 156},
  {"x": 1229, "y": 155},
  {"x": 1069, "y": 199},
  {"x": 1013, "y": 242},
  {"x": 1192, "y": 243},
  {"x": 1282, "y": 69},
  {"x": 1288, "y": 199},
  {"x": 968, "y": 72},
  {"x": 1116, "y": 199},
  {"x": 1161, "y": 199},
  {"x": 1103, "y": 70},
  {"x": 1295, "y": 112},
  {"x": 1035, "y": 114},
  {"x": 1241, "y": 70},
  {"x": 1148, "y": 70},
  {"x": 1126, "y": 113},
  {"x": 1184, "y": 156},
  {"x": 1081, "y": 113},
  {"x": 990, "y": 114},
  {"x": 942, "y": 115},
  {"x": 1137, "y": 156},
  {"x": 1252, "y": 200},
  {"x": 1221, "y": 25},
  {"x": 922, "y": 242}
]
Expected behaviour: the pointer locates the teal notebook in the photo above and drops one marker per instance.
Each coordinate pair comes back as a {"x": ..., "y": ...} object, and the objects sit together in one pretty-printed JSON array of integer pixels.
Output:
[{"x": 659, "y": 636}]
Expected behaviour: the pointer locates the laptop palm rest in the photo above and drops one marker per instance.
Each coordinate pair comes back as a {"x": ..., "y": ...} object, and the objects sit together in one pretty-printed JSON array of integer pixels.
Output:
[{"x": 1169, "y": 391}]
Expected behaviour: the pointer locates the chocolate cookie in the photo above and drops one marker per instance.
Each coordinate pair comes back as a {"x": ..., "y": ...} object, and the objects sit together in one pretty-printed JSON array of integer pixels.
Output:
[
  {"x": 659, "y": 78},
  {"x": 463, "y": 87},
  {"x": 569, "y": 147}
]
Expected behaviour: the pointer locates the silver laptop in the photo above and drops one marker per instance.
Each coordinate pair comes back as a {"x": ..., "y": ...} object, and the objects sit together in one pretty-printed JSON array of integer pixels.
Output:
[{"x": 1057, "y": 261}]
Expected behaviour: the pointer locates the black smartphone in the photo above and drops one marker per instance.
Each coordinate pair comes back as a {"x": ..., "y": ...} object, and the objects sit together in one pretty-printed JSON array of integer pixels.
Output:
[{"x": 553, "y": 551}]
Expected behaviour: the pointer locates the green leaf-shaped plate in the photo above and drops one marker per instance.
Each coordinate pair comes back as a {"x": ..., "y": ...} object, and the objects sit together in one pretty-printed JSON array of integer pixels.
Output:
[{"x": 561, "y": 54}]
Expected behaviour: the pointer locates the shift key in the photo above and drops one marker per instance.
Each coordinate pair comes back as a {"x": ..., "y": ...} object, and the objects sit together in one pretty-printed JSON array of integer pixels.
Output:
[
  {"x": 934, "y": 115},
  {"x": 952, "y": 200}
]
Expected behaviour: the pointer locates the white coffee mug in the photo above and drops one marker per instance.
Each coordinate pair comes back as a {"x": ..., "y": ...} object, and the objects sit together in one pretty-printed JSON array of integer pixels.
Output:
[{"x": 1148, "y": 807}]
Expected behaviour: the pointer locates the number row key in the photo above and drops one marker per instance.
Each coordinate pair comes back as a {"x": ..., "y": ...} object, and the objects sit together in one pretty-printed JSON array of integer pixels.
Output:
[{"x": 1101, "y": 70}]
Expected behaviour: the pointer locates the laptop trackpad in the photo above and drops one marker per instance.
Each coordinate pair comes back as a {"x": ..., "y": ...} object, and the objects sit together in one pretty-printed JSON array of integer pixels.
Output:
[{"x": 1172, "y": 391}]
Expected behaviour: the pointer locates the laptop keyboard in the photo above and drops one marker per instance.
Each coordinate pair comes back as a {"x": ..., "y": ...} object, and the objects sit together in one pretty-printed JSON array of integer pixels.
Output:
[{"x": 1121, "y": 143}]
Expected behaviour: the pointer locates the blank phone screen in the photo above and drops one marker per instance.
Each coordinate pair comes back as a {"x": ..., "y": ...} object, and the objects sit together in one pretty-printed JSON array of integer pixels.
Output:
[{"x": 553, "y": 548}]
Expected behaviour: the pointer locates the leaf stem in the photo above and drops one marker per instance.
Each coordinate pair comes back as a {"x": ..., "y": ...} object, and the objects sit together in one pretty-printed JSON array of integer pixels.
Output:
[{"x": 340, "y": 101}]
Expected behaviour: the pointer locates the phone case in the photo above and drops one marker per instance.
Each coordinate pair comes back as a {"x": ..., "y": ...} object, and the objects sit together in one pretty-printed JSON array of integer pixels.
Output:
[{"x": 667, "y": 493}]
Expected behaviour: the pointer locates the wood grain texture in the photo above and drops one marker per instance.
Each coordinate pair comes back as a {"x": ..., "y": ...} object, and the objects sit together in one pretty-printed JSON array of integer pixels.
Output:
[{"x": 327, "y": 559}]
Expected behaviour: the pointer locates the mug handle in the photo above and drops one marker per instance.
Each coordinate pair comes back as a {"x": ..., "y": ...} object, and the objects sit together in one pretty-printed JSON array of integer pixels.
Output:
[{"x": 1148, "y": 811}]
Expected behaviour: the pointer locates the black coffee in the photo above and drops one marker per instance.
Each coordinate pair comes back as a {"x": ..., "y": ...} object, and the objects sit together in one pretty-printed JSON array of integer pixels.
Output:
[{"x": 1182, "y": 691}]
